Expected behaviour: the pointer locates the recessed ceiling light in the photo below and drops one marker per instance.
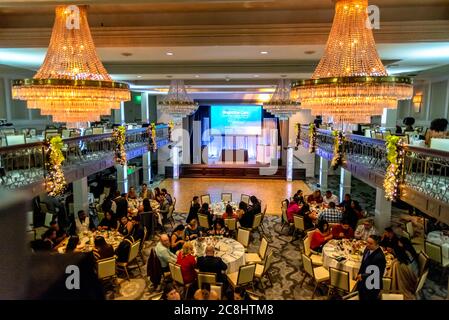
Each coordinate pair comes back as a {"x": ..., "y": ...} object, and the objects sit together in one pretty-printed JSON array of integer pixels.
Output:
[
  {"x": 197, "y": 76},
  {"x": 139, "y": 76},
  {"x": 256, "y": 76},
  {"x": 169, "y": 53},
  {"x": 263, "y": 52}
]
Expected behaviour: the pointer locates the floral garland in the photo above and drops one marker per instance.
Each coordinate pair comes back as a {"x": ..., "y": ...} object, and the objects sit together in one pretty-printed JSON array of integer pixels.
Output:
[
  {"x": 395, "y": 158},
  {"x": 312, "y": 138},
  {"x": 339, "y": 150},
  {"x": 298, "y": 134},
  {"x": 171, "y": 125},
  {"x": 151, "y": 131},
  {"x": 55, "y": 182},
  {"x": 119, "y": 139}
]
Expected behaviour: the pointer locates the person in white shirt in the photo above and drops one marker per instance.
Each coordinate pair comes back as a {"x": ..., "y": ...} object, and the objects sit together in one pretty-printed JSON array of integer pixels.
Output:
[
  {"x": 365, "y": 230},
  {"x": 329, "y": 197},
  {"x": 82, "y": 222}
]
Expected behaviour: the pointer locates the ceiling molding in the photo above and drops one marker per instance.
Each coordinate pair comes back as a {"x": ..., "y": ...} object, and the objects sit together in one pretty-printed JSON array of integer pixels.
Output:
[{"x": 207, "y": 35}]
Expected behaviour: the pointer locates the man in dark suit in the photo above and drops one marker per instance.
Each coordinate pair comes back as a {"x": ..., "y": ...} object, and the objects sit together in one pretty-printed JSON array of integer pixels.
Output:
[
  {"x": 212, "y": 264},
  {"x": 371, "y": 270}
]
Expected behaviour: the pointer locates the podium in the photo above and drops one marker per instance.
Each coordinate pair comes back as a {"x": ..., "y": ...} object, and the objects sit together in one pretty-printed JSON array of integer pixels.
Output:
[{"x": 234, "y": 155}]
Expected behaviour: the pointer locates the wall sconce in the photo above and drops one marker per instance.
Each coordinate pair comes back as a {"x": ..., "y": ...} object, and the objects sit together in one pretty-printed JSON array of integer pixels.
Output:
[{"x": 417, "y": 102}]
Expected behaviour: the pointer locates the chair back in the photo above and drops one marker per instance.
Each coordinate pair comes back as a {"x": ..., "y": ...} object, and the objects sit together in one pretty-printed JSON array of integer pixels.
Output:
[
  {"x": 65, "y": 133},
  {"x": 205, "y": 198},
  {"x": 339, "y": 279},
  {"x": 98, "y": 130},
  {"x": 246, "y": 274},
  {"x": 299, "y": 222},
  {"x": 106, "y": 191},
  {"x": 284, "y": 214},
  {"x": 230, "y": 223},
  {"x": 170, "y": 211},
  {"x": 409, "y": 228},
  {"x": 386, "y": 283},
  {"x": 106, "y": 268},
  {"x": 176, "y": 273},
  {"x": 206, "y": 277},
  {"x": 145, "y": 233},
  {"x": 134, "y": 251},
  {"x": 226, "y": 197},
  {"x": 174, "y": 203},
  {"x": 306, "y": 245},
  {"x": 433, "y": 251},
  {"x": 15, "y": 139},
  {"x": 268, "y": 262},
  {"x": 243, "y": 236},
  {"x": 217, "y": 289},
  {"x": 392, "y": 296},
  {"x": 423, "y": 262},
  {"x": 203, "y": 221},
  {"x": 88, "y": 132},
  {"x": 308, "y": 266},
  {"x": 310, "y": 232},
  {"x": 263, "y": 248},
  {"x": 421, "y": 280},
  {"x": 244, "y": 198},
  {"x": 48, "y": 219},
  {"x": 257, "y": 220}
]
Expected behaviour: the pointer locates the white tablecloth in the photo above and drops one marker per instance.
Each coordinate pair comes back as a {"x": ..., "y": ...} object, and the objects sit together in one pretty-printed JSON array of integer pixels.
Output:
[
  {"x": 218, "y": 208},
  {"x": 439, "y": 238},
  {"x": 231, "y": 251},
  {"x": 86, "y": 240},
  {"x": 352, "y": 262}
]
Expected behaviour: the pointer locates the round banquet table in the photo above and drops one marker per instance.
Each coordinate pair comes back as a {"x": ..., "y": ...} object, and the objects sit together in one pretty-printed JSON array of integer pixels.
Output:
[
  {"x": 229, "y": 250},
  {"x": 86, "y": 240},
  {"x": 441, "y": 238},
  {"x": 352, "y": 251},
  {"x": 218, "y": 208}
]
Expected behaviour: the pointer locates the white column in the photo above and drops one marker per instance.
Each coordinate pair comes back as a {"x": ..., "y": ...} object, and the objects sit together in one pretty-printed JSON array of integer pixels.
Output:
[
  {"x": 324, "y": 172},
  {"x": 146, "y": 166},
  {"x": 289, "y": 164},
  {"x": 185, "y": 141},
  {"x": 197, "y": 142},
  {"x": 175, "y": 157},
  {"x": 382, "y": 217},
  {"x": 144, "y": 108},
  {"x": 80, "y": 198},
  {"x": 122, "y": 178},
  {"x": 345, "y": 183},
  {"x": 389, "y": 118},
  {"x": 119, "y": 115}
]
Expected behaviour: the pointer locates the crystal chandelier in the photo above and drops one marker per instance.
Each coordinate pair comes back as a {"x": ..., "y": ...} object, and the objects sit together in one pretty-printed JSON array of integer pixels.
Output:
[
  {"x": 177, "y": 103},
  {"x": 350, "y": 83},
  {"x": 72, "y": 84},
  {"x": 280, "y": 104}
]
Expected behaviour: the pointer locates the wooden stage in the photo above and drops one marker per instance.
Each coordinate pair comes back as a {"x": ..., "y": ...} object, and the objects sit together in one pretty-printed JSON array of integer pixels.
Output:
[{"x": 271, "y": 192}]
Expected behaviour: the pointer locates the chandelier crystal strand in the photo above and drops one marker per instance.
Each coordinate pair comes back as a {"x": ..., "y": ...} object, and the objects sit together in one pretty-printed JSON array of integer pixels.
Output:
[
  {"x": 72, "y": 84},
  {"x": 281, "y": 105},
  {"x": 350, "y": 84},
  {"x": 177, "y": 103}
]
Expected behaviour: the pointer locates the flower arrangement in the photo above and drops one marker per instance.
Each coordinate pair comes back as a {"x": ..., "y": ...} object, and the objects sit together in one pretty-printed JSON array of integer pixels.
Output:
[
  {"x": 55, "y": 182},
  {"x": 119, "y": 140},
  {"x": 339, "y": 150},
  {"x": 395, "y": 158},
  {"x": 152, "y": 145},
  {"x": 171, "y": 126},
  {"x": 312, "y": 138}
]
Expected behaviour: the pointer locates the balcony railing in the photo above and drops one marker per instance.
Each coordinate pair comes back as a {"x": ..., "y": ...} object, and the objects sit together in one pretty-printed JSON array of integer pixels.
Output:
[
  {"x": 24, "y": 164},
  {"x": 425, "y": 170}
]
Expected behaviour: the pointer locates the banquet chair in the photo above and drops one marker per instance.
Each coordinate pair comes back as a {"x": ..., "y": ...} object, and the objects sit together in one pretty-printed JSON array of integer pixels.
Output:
[
  {"x": 217, "y": 288},
  {"x": 351, "y": 296},
  {"x": 386, "y": 284},
  {"x": 392, "y": 296},
  {"x": 206, "y": 277},
  {"x": 341, "y": 281},
  {"x": 423, "y": 262},
  {"x": 106, "y": 269},
  {"x": 284, "y": 216},
  {"x": 417, "y": 242},
  {"x": 256, "y": 224},
  {"x": 264, "y": 211},
  {"x": 170, "y": 215},
  {"x": 203, "y": 221},
  {"x": 243, "y": 236},
  {"x": 176, "y": 274},
  {"x": 421, "y": 280},
  {"x": 317, "y": 260},
  {"x": 142, "y": 244},
  {"x": 132, "y": 257},
  {"x": 205, "y": 198},
  {"x": 263, "y": 270},
  {"x": 226, "y": 197},
  {"x": 319, "y": 274},
  {"x": 435, "y": 253},
  {"x": 174, "y": 203},
  {"x": 244, "y": 198},
  {"x": 243, "y": 277},
  {"x": 231, "y": 224},
  {"x": 298, "y": 222},
  {"x": 254, "y": 296},
  {"x": 260, "y": 255}
]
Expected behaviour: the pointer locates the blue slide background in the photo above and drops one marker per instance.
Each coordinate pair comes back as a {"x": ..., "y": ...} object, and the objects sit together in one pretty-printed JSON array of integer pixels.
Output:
[{"x": 237, "y": 120}]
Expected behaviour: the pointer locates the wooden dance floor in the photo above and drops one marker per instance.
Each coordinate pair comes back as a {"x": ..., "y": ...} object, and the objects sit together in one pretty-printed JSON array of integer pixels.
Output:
[{"x": 271, "y": 192}]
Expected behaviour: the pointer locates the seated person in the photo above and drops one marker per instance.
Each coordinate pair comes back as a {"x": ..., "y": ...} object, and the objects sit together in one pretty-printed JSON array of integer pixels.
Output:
[
  {"x": 219, "y": 229},
  {"x": 355, "y": 206},
  {"x": 122, "y": 251},
  {"x": 247, "y": 216},
  {"x": 187, "y": 262},
  {"x": 137, "y": 232},
  {"x": 193, "y": 230},
  {"x": 342, "y": 231},
  {"x": 321, "y": 236},
  {"x": 83, "y": 223},
  {"x": 167, "y": 196},
  {"x": 205, "y": 293},
  {"x": 315, "y": 198},
  {"x": 48, "y": 240},
  {"x": 240, "y": 294},
  {"x": 177, "y": 238},
  {"x": 146, "y": 193},
  {"x": 163, "y": 252},
  {"x": 229, "y": 213},
  {"x": 300, "y": 195},
  {"x": 194, "y": 208},
  {"x": 108, "y": 222},
  {"x": 209, "y": 263},
  {"x": 206, "y": 211},
  {"x": 73, "y": 245},
  {"x": 60, "y": 234},
  {"x": 102, "y": 250},
  {"x": 365, "y": 230},
  {"x": 405, "y": 269},
  {"x": 293, "y": 208},
  {"x": 329, "y": 197},
  {"x": 164, "y": 207},
  {"x": 389, "y": 240},
  {"x": 126, "y": 226},
  {"x": 331, "y": 214},
  {"x": 170, "y": 293},
  {"x": 243, "y": 208},
  {"x": 346, "y": 202},
  {"x": 309, "y": 217}
]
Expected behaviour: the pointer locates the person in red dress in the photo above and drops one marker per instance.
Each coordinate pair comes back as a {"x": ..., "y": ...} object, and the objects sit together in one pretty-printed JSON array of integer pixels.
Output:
[
  {"x": 320, "y": 236},
  {"x": 187, "y": 262}
]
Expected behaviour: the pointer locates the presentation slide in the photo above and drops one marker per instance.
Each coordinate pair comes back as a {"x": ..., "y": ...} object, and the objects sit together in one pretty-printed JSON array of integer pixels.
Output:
[{"x": 237, "y": 120}]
